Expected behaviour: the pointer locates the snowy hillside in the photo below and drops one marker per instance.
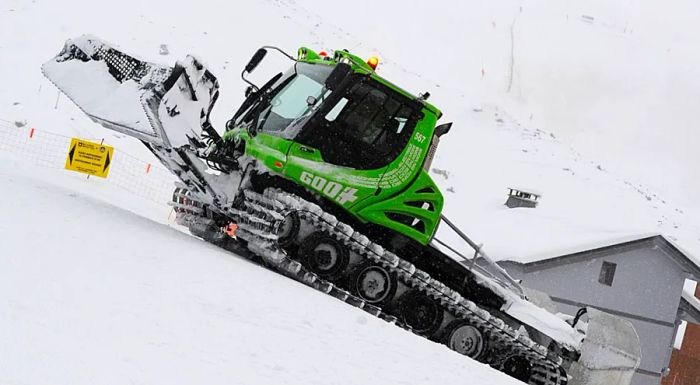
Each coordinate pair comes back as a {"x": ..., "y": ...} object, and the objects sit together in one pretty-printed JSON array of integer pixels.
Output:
[
  {"x": 93, "y": 294},
  {"x": 583, "y": 202},
  {"x": 619, "y": 80},
  {"x": 512, "y": 128}
]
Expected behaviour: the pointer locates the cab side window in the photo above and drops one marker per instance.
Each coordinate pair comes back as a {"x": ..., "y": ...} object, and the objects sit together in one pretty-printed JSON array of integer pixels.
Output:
[{"x": 367, "y": 128}]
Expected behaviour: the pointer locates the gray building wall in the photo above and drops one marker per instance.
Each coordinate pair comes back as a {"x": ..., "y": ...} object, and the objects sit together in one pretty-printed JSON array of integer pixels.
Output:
[{"x": 646, "y": 290}]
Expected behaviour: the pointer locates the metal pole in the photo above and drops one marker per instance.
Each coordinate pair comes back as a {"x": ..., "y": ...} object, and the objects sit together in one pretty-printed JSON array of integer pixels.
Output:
[
  {"x": 480, "y": 252},
  {"x": 58, "y": 96},
  {"x": 458, "y": 231},
  {"x": 101, "y": 143}
]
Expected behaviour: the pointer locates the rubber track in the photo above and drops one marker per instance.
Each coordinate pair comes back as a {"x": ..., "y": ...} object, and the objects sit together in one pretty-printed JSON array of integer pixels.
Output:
[{"x": 258, "y": 226}]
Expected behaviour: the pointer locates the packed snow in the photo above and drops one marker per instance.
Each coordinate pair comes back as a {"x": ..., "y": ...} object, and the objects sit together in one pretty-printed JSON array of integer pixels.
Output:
[{"x": 94, "y": 294}]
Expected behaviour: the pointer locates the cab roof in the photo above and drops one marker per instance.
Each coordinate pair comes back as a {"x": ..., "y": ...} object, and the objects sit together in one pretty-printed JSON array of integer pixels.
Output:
[{"x": 358, "y": 65}]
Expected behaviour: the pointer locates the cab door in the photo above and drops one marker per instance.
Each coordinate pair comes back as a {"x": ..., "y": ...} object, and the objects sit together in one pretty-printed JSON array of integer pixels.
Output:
[{"x": 342, "y": 185}]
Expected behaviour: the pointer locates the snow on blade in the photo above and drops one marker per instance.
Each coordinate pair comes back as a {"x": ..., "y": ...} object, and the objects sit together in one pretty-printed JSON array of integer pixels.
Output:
[
  {"x": 145, "y": 100},
  {"x": 90, "y": 85},
  {"x": 546, "y": 322}
]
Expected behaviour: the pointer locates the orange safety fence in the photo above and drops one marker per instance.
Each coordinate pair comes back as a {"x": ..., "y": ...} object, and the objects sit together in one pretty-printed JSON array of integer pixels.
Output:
[{"x": 47, "y": 149}]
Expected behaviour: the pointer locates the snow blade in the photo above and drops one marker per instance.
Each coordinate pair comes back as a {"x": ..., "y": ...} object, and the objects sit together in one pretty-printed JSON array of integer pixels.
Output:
[
  {"x": 610, "y": 353},
  {"x": 157, "y": 104}
]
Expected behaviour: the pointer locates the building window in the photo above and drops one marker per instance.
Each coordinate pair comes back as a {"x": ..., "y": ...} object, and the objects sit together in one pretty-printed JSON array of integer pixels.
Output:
[{"x": 607, "y": 273}]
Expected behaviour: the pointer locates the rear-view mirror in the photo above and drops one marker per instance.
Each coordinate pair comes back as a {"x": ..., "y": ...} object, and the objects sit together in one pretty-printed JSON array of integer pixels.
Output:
[
  {"x": 443, "y": 129},
  {"x": 255, "y": 60}
]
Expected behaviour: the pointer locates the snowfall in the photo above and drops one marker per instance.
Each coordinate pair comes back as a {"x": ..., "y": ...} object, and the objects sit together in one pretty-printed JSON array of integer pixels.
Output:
[{"x": 592, "y": 104}]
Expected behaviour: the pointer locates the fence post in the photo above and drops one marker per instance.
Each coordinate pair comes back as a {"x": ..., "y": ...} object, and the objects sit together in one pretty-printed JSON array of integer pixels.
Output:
[{"x": 102, "y": 141}]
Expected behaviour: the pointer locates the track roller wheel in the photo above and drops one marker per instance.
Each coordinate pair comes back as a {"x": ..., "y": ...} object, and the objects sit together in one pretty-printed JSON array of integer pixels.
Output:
[
  {"x": 518, "y": 367},
  {"x": 324, "y": 255},
  {"x": 466, "y": 339},
  {"x": 288, "y": 229},
  {"x": 374, "y": 284},
  {"x": 420, "y": 312},
  {"x": 547, "y": 375}
]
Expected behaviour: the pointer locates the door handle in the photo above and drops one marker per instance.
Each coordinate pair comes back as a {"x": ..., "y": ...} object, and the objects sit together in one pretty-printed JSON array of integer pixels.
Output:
[{"x": 306, "y": 150}]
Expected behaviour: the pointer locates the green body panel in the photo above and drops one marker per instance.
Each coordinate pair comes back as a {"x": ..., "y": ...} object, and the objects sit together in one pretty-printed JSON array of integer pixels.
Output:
[
  {"x": 268, "y": 149},
  {"x": 400, "y": 196},
  {"x": 422, "y": 191}
]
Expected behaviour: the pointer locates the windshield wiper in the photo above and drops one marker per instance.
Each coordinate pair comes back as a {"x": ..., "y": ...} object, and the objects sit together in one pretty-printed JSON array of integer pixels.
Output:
[
  {"x": 311, "y": 108},
  {"x": 255, "y": 97}
]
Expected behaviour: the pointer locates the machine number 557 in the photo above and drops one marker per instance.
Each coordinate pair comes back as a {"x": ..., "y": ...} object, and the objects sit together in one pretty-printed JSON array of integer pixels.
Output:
[{"x": 333, "y": 190}]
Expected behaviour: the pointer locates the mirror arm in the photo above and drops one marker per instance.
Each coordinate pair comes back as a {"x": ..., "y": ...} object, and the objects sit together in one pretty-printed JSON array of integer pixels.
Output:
[
  {"x": 290, "y": 57},
  {"x": 255, "y": 88}
]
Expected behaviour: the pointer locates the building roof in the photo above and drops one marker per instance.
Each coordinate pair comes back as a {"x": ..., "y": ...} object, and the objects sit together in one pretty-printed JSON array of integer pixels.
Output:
[{"x": 586, "y": 252}]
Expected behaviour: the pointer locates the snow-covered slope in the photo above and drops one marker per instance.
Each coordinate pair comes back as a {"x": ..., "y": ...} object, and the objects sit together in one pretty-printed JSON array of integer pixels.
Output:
[
  {"x": 93, "y": 294},
  {"x": 583, "y": 74},
  {"x": 617, "y": 79},
  {"x": 583, "y": 202}
]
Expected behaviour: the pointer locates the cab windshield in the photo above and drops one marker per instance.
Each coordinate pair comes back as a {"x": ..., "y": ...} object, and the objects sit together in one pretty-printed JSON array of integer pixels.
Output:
[
  {"x": 363, "y": 124},
  {"x": 291, "y": 100}
]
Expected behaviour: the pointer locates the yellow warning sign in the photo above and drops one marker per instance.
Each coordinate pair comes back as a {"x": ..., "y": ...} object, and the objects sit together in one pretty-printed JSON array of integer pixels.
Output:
[{"x": 89, "y": 157}]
